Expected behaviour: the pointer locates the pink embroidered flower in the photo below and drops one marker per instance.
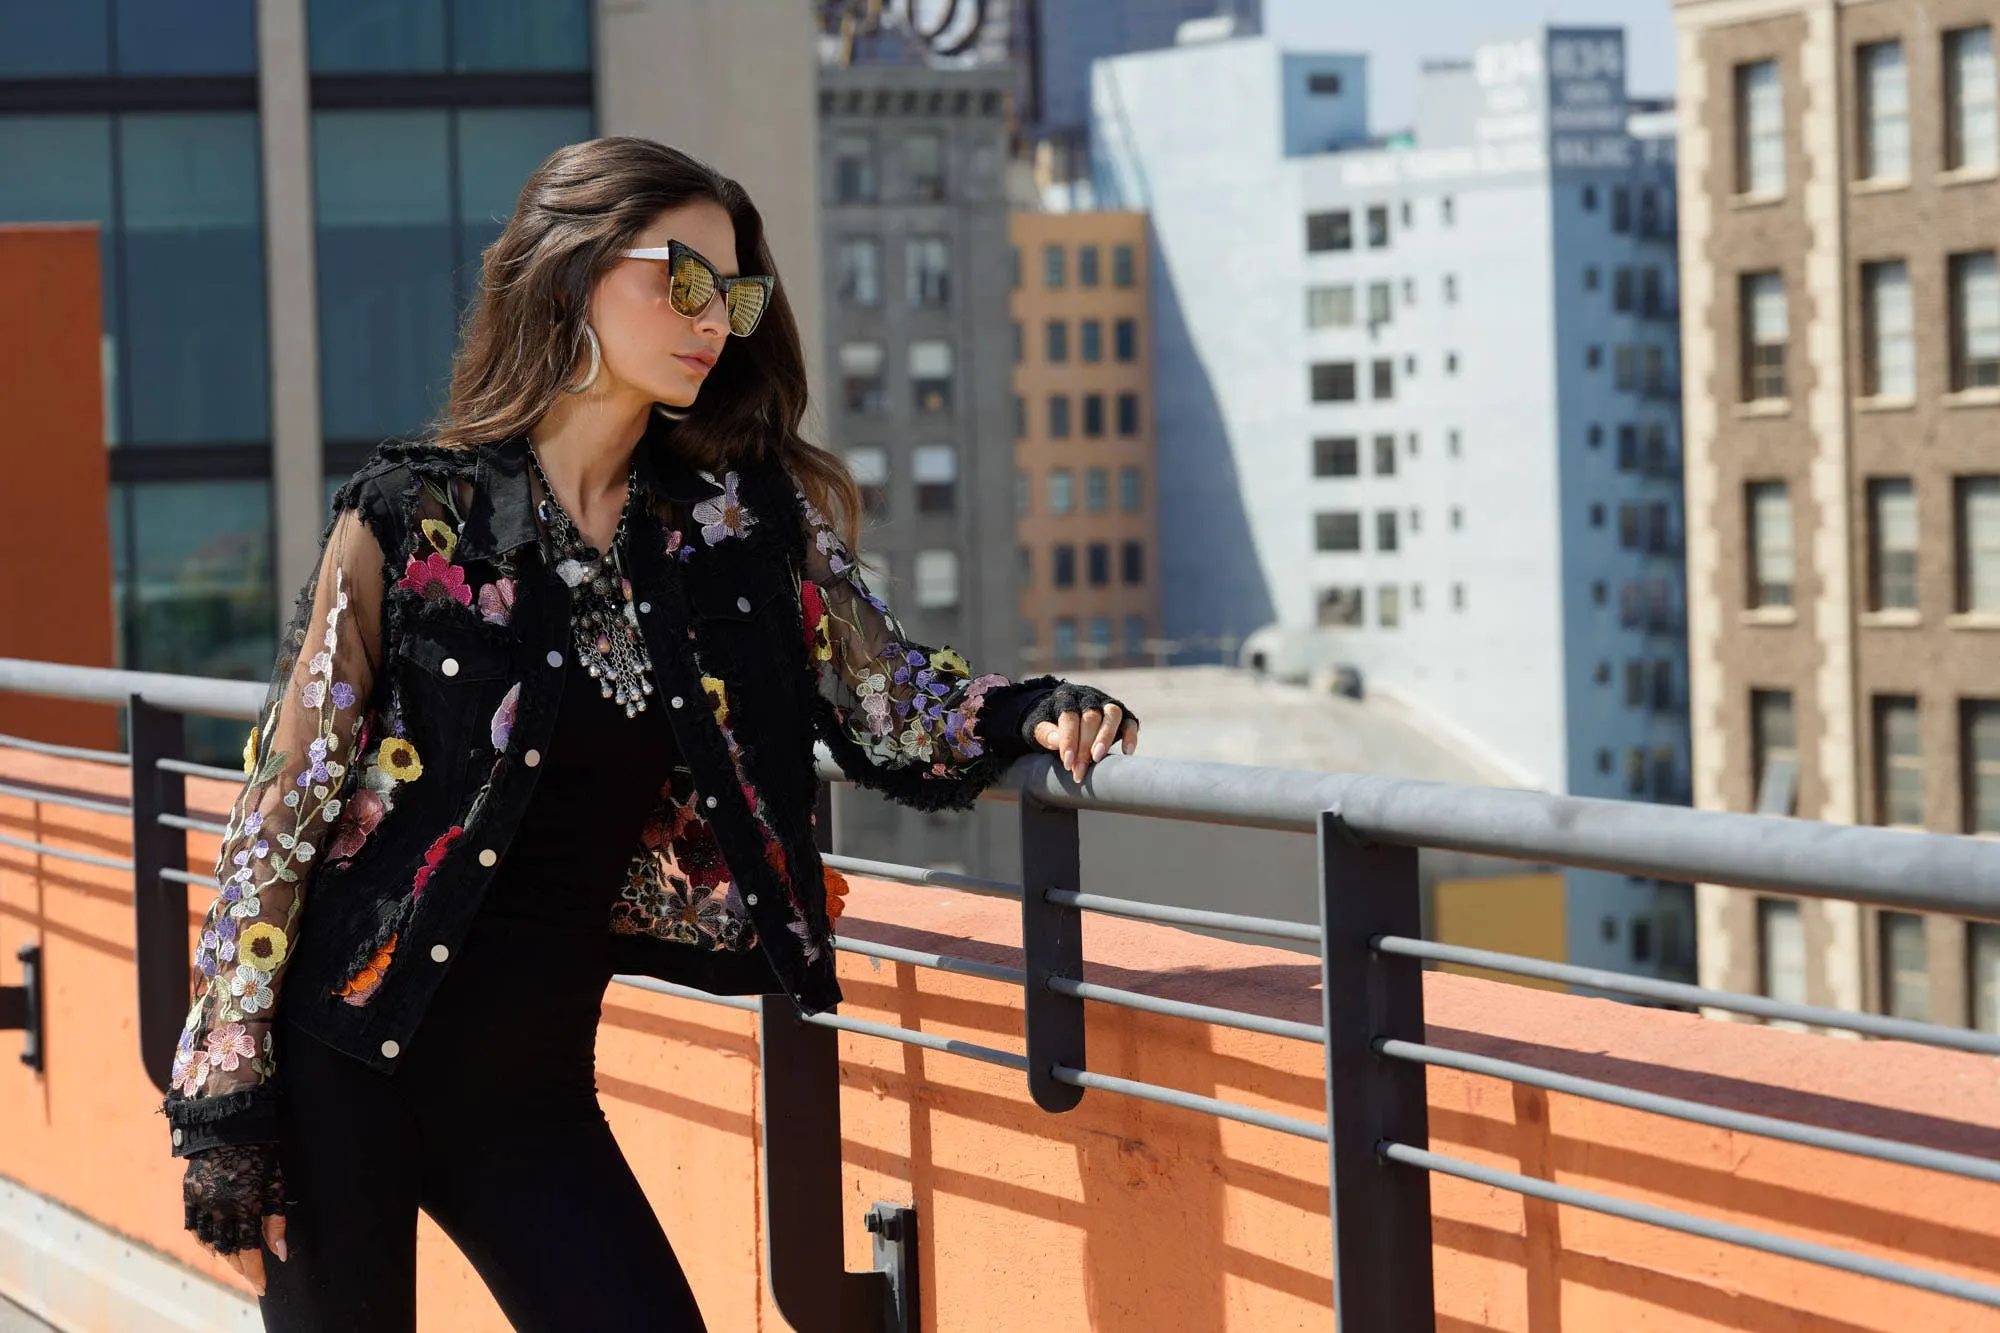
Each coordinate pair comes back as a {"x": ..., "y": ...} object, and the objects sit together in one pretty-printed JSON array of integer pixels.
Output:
[
  {"x": 363, "y": 812},
  {"x": 436, "y": 578},
  {"x": 230, "y": 1044},
  {"x": 496, "y": 601},
  {"x": 434, "y": 857},
  {"x": 503, "y": 717},
  {"x": 190, "y": 1071},
  {"x": 723, "y": 515}
]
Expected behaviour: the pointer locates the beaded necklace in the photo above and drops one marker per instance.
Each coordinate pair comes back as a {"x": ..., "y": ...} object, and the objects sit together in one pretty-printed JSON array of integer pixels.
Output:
[{"x": 602, "y": 619}]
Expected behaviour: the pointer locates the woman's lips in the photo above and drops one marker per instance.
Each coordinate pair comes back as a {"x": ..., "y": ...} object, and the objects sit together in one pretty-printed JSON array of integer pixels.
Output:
[{"x": 694, "y": 363}]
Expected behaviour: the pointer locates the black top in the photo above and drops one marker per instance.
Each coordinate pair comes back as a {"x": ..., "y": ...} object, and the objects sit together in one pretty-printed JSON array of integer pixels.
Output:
[{"x": 600, "y": 777}]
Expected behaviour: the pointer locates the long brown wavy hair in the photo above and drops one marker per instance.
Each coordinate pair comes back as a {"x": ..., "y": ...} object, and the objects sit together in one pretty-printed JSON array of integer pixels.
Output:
[{"x": 523, "y": 335}]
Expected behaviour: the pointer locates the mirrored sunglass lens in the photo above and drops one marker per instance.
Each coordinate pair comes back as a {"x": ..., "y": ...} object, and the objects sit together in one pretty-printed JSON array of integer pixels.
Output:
[
  {"x": 693, "y": 288},
  {"x": 746, "y": 306}
]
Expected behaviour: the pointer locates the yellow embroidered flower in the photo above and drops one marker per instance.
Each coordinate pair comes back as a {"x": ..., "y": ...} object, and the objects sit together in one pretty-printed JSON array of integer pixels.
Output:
[
  {"x": 718, "y": 697},
  {"x": 262, "y": 945},
  {"x": 441, "y": 537},
  {"x": 250, "y": 753},
  {"x": 944, "y": 659},
  {"x": 399, "y": 760}
]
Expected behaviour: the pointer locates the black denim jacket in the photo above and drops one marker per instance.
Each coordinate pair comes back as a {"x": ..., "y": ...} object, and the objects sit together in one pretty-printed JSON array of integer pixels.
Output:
[{"x": 416, "y": 687}]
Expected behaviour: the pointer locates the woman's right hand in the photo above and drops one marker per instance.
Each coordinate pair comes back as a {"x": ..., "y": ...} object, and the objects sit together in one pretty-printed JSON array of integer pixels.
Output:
[{"x": 233, "y": 1198}]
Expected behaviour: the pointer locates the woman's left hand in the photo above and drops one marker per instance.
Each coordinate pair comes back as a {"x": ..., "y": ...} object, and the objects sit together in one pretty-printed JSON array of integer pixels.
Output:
[{"x": 1081, "y": 724}]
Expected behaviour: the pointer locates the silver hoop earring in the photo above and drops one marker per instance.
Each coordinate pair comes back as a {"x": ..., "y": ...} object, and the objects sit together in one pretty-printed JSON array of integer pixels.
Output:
[
  {"x": 596, "y": 360},
  {"x": 671, "y": 413}
]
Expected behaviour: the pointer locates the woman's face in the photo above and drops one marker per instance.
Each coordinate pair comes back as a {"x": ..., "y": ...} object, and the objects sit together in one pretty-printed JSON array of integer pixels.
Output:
[{"x": 648, "y": 346}]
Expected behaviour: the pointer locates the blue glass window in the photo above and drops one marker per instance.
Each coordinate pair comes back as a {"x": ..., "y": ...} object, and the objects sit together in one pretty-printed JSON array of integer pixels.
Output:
[
  {"x": 185, "y": 36},
  {"x": 375, "y": 36},
  {"x": 39, "y": 38},
  {"x": 496, "y": 152},
  {"x": 194, "y": 352},
  {"x": 520, "y": 34}
]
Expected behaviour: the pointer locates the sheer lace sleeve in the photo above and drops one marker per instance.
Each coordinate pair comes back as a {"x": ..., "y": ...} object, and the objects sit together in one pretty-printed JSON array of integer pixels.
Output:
[
  {"x": 296, "y": 770},
  {"x": 898, "y": 716}
]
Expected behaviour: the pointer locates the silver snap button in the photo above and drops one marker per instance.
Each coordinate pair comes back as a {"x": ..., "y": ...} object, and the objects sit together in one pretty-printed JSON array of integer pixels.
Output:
[
  {"x": 710, "y": 803},
  {"x": 449, "y": 666},
  {"x": 391, "y": 1049},
  {"x": 488, "y": 856},
  {"x": 645, "y": 608},
  {"x": 532, "y": 758},
  {"x": 178, "y": 1136},
  {"x": 675, "y": 701},
  {"x": 750, "y": 898},
  {"x": 743, "y": 605},
  {"x": 439, "y": 953},
  {"x": 555, "y": 658}
]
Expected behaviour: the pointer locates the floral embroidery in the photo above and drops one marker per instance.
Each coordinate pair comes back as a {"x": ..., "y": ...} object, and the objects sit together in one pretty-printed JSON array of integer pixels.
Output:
[
  {"x": 263, "y": 945},
  {"x": 398, "y": 758},
  {"x": 836, "y": 892},
  {"x": 228, "y": 1044},
  {"x": 723, "y": 515},
  {"x": 440, "y": 536},
  {"x": 360, "y": 988},
  {"x": 435, "y": 578},
  {"x": 364, "y": 811},
  {"x": 250, "y": 753},
  {"x": 435, "y": 856},
  {"x": 496, "y": 602},
  {"x": 503, "y": 717},
  {"x": 718, "y": 698}
]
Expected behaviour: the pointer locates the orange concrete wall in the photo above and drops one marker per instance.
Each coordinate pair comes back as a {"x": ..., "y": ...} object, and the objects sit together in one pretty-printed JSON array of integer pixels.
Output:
[
  {"x": 55, "y": 548},
  {"x": 1125, "y": 1216}
]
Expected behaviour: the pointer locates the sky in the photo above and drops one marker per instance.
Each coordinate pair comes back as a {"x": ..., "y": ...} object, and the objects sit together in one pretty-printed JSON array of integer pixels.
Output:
[{"x": 1398, "y": 35}]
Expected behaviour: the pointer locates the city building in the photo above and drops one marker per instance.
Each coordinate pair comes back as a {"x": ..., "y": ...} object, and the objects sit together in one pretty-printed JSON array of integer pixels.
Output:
[
  {"x": 1083, "y": 455},
  {"x": 1417, "y": 408},
  {"x": 1840, "y": 185},
  {"x": 914, "y": 227},
  {"x": 291, "y": 197}
]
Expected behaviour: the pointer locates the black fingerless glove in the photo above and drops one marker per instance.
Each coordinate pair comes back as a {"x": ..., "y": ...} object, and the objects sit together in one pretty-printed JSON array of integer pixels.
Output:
[
  {"x": 227, "y": 1193},
  {"x": 1067, "y": 697}
]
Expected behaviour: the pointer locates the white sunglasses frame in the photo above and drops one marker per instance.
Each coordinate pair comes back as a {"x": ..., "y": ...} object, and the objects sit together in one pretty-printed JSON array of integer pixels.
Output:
[{"x": 722, "y": 285}]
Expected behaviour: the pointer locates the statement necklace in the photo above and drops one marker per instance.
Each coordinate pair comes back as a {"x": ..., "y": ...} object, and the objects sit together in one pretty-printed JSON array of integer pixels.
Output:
[{"x": 602, "y": 620}]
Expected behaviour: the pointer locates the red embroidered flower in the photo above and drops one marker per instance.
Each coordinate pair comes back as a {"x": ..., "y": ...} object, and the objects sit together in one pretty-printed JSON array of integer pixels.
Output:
[
  {"x": 814, "y": 607},
  {"x": 436, "y": 578},
  {"x": 836, "y": 893},
  {"x": 364, "y": 811},
  {"x": 434, "y": 856}
]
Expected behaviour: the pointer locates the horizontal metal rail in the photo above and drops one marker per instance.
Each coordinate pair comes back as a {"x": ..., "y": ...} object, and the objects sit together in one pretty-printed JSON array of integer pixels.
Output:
[
  {"x": 938, "y": 879},
  {"x": 930, "y": 1041},
  {"x": 1191, "y": 1101},
  {"x": 87, "y": 858},
  {"x": 1199, "y": 1013},
  {"x": 193, "y": 825},
  {"x": 188, "y": 768},
  {"x": 189, "y": 877},
  {"x": 105, "y": 685},
  {"x": 1943, "y": 1284},
  {"x": 1677, "y": 992},
  {"x": 744, "y": 1002},
  {"x": 44, "y": 796},
  {"x": 1699, "y": 1113},
  {"x": 118, "y": 757},
  {"x": 1185, "y": 916},
  {"x": 941, "y": 962}
]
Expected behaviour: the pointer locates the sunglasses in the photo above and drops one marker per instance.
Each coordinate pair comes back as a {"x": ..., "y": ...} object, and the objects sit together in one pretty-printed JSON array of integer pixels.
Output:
[{"x": 693, "y": 283}]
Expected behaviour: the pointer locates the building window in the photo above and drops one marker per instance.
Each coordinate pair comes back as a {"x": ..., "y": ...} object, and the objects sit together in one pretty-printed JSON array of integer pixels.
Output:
[
  {"x": 1906, "y": 967},
  {"x": 1452, "y": 443},
  {"x": 1339, "y": 530},
  {"x": 1766, "y": 329},
  {"x": 1972, "y": 129},
  {"x": 930, "y": 375},
  {"x": 1884, "y": 86},
  {"x": 1093, "y": 416},
  {"x": 1055, "y": 341},
  {"x": 934, "y": 469},
  {"x": 1062, "y": 490},
  {"x": 930, "y": 271},
  {"x": 1135, "y": 636},
  {"x": 1096, "y": 490},
  {"x": 1100, "y": 638},
  {"x": 1769, "y": 505},
  {"x": 1014, "y": 283},
  {"x": 1458, "y": 596},
  {"x": 1383, "y": 379},
  {"x": 1339, "y": 606},
  {"x": 1457, "y": 518},
  {"x": 1020, "y": 344},
  {"x": 1378, "y": 226},
  {"x": 1099, "y": 563},
  {"x": 1054, "y": 267},
  {"x": 1329, "y": 231},
  {"x": 1781, "y": 950},
  {"x": 1130, "y": 494},
  {"x": 1062, "y": 566},
  {"x": 861, "y": 382},
  {"x": 1065, "y": 641},
  {"x": 1622, "y": 297},
  {"x": 1385, "y": 455},
  {"x": 1330, "y": 307},
  {"x": 937, "y": 579},
  {"x": 861, "y": 271},
  {"x": 1086, "y": 266},
  {"x": 1385, "y": 529},
  {"x": 1625, "y": 366},
  {"x": 1975, "y": 322},
  {"x": 1059, "y": 416},
  {"x": 1024, "y": 491},
  {"x": 1132, "y": 563},
  {"x": 1774, "y": 742},
  {"x": 1125, "y": 340},
  {"x": 1593, "y": 356},
  {"x": 1381, "y": 304},
  {"x": 923, "y": 153},
  {"x": 1121, "y": 266},
  {"x": 1128, "y": 415},
  {"x": 1983, "y": 961},
  {"x": 1760, "y": 129},
  {"x": 1446, "y": 210},
  {"x": 1979, "y": 544},
  {"x": 1590, "y": 277},
  {"x": 1416, "y": 596},
  {"x": 1090, "y": 340},
  {"x": 1635, "y": 772},
  {"x": 1979, "y": 748},
  {"x": 1899, "y": 762},
  {"x": 869, "y": 466},
  {"x": 1333, "y": 382},
  {"x": 1020, "y": 417},
  {"x": 1892, "y": 545},
  {"x": 1024, "y": 571},
  {"x": 1621, "y": 209},
  {"x": 1890, "y": 370},
  {"x": 1388, "y": 606},
  {"x": 854, "y": 169}
]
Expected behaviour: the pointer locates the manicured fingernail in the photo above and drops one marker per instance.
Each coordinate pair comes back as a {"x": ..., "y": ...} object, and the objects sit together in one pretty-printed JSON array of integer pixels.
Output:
[
  {"x": 1098, "y": 751},
  {"x": 278, "y": 1248},
  {"x": 1068, "y": 756}
]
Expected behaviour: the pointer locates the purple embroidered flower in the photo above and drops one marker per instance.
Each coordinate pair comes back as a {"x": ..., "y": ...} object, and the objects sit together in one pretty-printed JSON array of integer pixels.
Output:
[
  {"x": 503, "y": 717},
  {"x": 260, "y": 849},
  {"x": 722, "y": 516},
  {"x": 496, "y": 602},
  {"x": 253, "y": 821},
  {"x": 343, "y": 694},
  {"x": 314, "y": 694},
  {"x": 226, "y": 928}
]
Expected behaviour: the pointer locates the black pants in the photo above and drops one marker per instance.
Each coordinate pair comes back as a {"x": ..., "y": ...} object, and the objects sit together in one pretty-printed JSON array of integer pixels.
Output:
[{"x": 491, "y": 1125}]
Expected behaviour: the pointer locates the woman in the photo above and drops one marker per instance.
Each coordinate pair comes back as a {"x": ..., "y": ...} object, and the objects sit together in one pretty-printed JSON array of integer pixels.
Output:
[{"x": 545, "y": 712}]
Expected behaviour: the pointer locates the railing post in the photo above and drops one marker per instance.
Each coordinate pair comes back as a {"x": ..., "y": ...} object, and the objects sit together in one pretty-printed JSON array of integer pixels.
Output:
[
  {"x": 21, "y": 1006},
  {"x": 1382, "y": 1279},
  {"x": 1051, "y": 946},
  {"x": 159, "y": 907}
]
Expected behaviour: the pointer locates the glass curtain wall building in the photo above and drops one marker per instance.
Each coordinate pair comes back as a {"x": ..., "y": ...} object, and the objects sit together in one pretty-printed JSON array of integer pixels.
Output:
[{"x": 142, "y": 116}]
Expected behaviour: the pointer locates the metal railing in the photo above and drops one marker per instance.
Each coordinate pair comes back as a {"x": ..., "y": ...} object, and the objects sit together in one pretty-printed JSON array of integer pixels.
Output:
[{"x": 1372, "y": 1027}]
